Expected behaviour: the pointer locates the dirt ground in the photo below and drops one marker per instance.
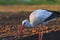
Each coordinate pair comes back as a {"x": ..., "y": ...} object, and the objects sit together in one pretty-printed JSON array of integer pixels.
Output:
[
  {"x": 10, "y": 24},
  {"x": 16, "y": 8}
]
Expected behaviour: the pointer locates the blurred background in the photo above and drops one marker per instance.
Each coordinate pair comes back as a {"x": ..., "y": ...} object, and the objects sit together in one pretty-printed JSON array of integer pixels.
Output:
[
  {"x": 28, "y": 5},
  {"x": 28, "y": 2},
  {"x": 12, "y": 12}
]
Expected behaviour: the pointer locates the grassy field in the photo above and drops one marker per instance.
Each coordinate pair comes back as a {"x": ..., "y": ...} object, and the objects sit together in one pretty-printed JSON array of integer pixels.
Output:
[{"x": 28, "y": 2}]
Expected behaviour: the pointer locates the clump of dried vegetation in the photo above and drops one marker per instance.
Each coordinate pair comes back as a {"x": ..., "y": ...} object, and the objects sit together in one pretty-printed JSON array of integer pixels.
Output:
[{"x": 11, "y": 22}]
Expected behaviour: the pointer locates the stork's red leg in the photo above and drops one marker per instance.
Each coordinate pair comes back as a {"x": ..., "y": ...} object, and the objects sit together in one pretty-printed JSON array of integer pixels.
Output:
[{"x": 40, "y": 34}]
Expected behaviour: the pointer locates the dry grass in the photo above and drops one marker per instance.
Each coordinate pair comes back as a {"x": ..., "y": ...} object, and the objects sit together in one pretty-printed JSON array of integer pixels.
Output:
[{"x": 16, "y": 8}]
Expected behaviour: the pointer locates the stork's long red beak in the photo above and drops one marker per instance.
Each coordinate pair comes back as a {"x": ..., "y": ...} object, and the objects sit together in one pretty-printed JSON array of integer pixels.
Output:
[{"x": 20, "y": 31}]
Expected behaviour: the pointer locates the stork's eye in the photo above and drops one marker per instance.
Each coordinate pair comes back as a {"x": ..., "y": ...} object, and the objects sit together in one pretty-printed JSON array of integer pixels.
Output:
[{"x": 25, "y": 23}]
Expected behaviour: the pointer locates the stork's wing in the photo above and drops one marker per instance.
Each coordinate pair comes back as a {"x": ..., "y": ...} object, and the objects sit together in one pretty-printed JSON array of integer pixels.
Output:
[{"x": 37, "y": 17}]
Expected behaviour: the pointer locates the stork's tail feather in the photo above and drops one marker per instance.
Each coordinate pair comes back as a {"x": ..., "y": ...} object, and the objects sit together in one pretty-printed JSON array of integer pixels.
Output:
[{"x": 57, "y": 13}]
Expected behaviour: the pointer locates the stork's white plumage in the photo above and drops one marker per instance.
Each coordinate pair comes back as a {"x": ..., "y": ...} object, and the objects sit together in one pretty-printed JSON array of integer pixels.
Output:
[{"x": 38, "y": 17}]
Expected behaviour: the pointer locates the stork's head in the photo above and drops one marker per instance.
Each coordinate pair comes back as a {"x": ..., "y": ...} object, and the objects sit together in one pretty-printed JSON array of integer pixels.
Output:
[{"x": 26, "y": 23}]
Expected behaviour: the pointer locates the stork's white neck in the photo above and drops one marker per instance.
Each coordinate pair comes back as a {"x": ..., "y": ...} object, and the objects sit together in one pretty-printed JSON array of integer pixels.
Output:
[
  {"x": 32, "y": 25},
  {"x": 27, "y": 23}
]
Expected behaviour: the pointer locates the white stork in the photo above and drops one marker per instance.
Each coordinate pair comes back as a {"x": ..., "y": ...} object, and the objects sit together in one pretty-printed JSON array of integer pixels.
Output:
[{"x": 40, "y": 17}]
